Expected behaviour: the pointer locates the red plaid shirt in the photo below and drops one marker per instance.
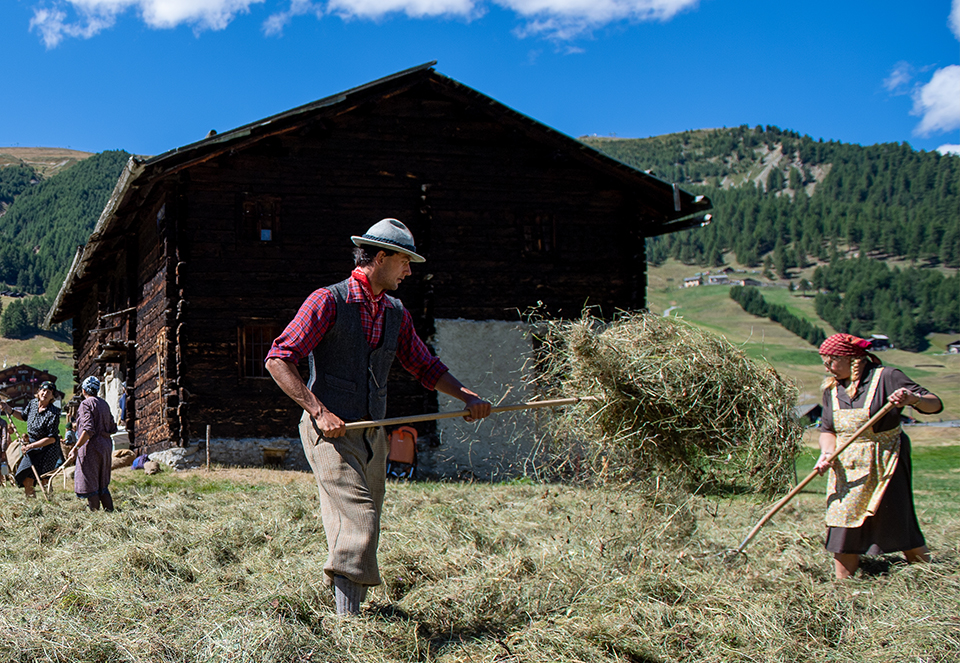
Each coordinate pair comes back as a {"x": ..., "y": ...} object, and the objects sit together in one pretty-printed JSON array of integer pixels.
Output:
[{"x": 319, "y": 312}]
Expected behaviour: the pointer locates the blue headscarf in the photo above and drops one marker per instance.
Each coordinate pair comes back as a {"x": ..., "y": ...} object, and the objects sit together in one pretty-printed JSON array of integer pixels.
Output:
[{"x": 91, "y": 385}]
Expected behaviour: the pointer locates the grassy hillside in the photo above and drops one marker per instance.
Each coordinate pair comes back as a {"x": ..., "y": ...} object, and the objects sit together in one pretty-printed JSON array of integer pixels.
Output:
[
  {"x": 48, "y": 161},
  {"x": 710, "y": 307},
  {"x": 40, "y": 351},
  {"x": 786, "y": 202}
]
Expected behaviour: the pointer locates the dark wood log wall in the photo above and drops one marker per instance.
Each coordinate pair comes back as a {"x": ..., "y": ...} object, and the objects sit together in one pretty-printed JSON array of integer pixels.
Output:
[
  {"x": 85, "y": 344},
  {"x": 152, "y": 361},
  {"x": 505, "y": 222}
]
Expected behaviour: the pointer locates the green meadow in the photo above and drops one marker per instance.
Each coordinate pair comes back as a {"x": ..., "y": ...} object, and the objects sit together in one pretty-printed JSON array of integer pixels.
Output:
[{"x": 711, "y": 308}]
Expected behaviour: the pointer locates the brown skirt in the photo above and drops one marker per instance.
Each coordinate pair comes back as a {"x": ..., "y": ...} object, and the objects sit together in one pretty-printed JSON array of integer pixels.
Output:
[{"x": 893, "y": 528}]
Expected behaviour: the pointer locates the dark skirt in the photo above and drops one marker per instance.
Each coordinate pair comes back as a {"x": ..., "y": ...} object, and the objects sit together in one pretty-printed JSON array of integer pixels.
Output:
[
  {"x": 45, "y": 459},
  {"x": 893, "y": 528}
]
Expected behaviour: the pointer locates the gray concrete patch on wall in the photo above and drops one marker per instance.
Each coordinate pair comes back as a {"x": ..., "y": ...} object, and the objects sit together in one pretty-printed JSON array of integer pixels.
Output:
[{"x": 494, "y": 359}]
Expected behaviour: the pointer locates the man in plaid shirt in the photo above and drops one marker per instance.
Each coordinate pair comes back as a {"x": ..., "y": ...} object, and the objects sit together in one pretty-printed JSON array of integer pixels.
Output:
[{"x": 351, "y": 332}]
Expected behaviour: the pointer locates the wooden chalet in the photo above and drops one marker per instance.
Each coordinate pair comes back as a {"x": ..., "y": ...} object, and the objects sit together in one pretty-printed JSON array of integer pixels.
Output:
[
  {"x": 204, "y": 253},
  {"x": 19, "y": 384}
]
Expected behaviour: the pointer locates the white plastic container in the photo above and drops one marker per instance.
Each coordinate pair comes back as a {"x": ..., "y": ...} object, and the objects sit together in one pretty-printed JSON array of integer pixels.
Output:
[{"x": 121, "y": 440}]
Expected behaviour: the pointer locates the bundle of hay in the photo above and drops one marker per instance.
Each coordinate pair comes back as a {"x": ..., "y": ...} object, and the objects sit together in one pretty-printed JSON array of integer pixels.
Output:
[{"x": 675, "y": 401}]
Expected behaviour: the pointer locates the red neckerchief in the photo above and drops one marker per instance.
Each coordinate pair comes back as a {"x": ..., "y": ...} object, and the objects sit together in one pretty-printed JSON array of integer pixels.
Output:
[{"x": 372, "y": 308}]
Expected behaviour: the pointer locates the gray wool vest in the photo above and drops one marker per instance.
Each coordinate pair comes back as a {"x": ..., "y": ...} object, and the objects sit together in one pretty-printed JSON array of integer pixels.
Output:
[{"x": 346, "y": 374}]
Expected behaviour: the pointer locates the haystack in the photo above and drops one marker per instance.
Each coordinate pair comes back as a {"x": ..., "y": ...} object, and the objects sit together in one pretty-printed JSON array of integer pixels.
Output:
[{"x": 676, "y": 402}]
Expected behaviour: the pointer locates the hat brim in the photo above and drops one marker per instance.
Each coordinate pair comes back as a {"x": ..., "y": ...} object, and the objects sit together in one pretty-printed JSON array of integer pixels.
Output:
[{"x": 414, "y": 257}]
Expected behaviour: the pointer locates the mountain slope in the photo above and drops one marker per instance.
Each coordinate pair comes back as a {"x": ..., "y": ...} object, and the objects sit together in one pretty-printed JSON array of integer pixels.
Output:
[
  {"x": 47, "y": 161},
  {"x": 772, "y": 186},
  {"x": 42, "y": 227}
]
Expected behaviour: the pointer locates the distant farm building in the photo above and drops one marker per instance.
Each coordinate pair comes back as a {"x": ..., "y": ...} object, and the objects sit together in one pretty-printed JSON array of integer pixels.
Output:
[
  {"x": 880, "y": 342},
  {"x": 953, "y": 347},
  {"x": 203, "y": 254},
  {"x": 19, "y": 384},
  {"x": 692, "y": 281},
  {"x": 811, "y": 412}
]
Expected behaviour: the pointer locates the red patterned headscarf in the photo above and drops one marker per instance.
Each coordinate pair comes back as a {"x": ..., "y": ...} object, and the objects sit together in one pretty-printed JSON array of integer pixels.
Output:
[{"x": 844, "y": 345}]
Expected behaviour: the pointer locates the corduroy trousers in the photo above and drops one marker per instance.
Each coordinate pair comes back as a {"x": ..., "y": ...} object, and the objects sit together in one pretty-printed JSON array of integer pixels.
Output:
[{"x": 351, "y": 476}]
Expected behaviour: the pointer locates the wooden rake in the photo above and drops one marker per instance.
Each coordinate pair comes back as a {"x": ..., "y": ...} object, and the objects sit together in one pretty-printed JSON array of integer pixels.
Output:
[
  {"x": 433, "y": 416},
  {"x": 732, "y": 554},
  {"x": 19, "y": 440}
]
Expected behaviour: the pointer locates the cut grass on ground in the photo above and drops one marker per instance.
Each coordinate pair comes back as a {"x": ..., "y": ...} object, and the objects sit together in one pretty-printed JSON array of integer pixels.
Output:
[{"x": 227, "y": 565}]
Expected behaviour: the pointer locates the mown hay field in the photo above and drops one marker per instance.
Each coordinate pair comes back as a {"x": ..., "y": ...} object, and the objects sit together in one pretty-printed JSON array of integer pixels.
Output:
[{"x": 226, "y": 565}]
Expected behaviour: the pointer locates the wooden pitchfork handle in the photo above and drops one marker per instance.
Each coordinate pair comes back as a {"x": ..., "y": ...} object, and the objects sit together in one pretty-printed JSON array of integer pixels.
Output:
[
  {"x": 810, "y": 477},
  {"x": 56, "y": 472},
  {"x": 43, "y": 490},
  {"x": 433, "y": 416}
]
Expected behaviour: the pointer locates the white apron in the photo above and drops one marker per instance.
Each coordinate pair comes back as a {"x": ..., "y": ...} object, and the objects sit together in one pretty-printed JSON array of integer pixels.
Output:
[{"x": 855, "y": 488}]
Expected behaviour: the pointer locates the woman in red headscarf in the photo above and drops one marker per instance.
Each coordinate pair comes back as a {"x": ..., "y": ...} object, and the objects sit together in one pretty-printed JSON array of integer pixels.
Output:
[{"x": 869, "y": 494}]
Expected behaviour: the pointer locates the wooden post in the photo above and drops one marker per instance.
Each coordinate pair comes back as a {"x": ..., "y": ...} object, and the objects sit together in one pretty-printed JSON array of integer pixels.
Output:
[{"x": 208, "y": 447}]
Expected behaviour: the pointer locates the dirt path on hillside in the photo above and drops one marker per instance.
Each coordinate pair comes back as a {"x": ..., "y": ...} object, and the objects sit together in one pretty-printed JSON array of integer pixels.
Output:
[{"x": 920, "y": 436}]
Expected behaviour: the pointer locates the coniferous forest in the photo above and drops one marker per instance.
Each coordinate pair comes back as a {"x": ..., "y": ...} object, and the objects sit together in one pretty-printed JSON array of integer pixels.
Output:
[
  {"x": 43, "y": 222},
  {"x": 789, "y": 202},
  {"x": 48, "y": 219},
  {"x": 774, "y": 189}
]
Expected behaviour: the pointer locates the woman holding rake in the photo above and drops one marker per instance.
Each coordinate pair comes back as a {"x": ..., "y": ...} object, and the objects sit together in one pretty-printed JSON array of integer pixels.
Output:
[
  {"x": 869, "y": 495},
  {"x": 41, "y": 449}
]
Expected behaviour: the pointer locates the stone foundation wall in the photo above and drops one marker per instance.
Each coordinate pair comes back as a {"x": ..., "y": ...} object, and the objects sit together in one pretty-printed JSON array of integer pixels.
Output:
[{"x": 256, "y": 452}]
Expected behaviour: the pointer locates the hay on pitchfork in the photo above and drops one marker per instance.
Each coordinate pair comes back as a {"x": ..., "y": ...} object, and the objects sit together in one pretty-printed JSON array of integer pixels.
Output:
[{"x": 676, "y": 402}]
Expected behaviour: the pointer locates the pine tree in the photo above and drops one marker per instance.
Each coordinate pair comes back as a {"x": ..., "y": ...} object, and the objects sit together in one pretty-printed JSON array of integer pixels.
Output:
[{"x": 13, "y": 321}]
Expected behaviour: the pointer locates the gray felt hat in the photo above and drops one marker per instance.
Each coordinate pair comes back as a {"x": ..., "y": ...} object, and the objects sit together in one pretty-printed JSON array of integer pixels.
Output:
[{"x": 392, "y": 235}]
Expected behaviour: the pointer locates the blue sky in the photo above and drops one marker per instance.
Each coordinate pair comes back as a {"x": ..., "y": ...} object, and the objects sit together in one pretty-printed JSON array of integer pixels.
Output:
[{"x": 147, "y": 76}]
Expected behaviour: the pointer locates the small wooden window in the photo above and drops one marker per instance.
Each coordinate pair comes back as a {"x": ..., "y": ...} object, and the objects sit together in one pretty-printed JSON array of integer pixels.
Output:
[
  {"x": 539, "y": 236},
  {"x": 255, "y": 339},
  {"x": 261, "y": 217}
]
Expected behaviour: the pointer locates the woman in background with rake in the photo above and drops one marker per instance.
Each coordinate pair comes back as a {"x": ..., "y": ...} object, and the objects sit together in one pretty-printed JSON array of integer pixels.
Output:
[
  {"x": 869, "y": 495},
  {"x": 6, "y": 437},
  {"x": 41, "y": 449},
  {"x": 94, "y": 448}
]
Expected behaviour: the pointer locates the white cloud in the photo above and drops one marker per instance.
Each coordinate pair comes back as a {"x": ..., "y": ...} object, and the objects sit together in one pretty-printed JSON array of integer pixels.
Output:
[
  {"x": 53, "y": 26},
  {"x": 275, "y": 24},
  {"x": 954, "y": 19},
  {"x": 559, "y": 19},
  {"x": 94, "y": 16},
  {"x": 202, "y": 14},
  {"x": 949, "y": 149},
  {"x": 898, "y": 82},
  {"x": 374, "y": 9},
  {"x": 601, "y": 10},
  {"x": 567, "y": 19},
  {"x": 55, "y": 20},
  {"x": 938, "y": 102}
]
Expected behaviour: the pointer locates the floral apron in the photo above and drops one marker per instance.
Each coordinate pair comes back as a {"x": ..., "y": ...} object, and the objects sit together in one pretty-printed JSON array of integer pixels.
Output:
[{"x": 863, "y": 470}]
